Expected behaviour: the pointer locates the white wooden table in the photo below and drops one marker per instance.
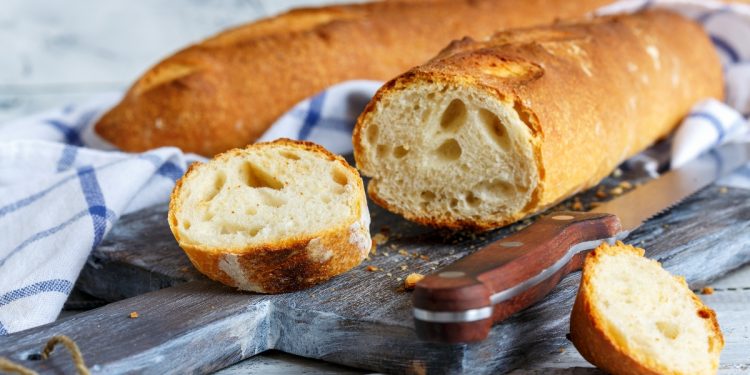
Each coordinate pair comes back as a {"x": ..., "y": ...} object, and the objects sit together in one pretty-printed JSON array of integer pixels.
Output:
[{"x": 55, "y": 53}]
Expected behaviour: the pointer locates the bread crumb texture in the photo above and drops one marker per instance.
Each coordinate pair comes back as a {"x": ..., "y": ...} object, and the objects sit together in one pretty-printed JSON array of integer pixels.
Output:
[
  {"x": 272, "y": 217},
  {"x": 458, "y": 127},
  {"x": 632, "y": 316}
]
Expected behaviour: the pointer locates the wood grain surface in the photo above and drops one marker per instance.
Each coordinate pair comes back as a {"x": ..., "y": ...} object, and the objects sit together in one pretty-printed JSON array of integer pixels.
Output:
[{"x": 363, "y": 319}]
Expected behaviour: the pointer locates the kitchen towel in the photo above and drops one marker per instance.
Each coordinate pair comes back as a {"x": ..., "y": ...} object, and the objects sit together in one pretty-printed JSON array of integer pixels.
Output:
[{"x": 62, "y": 188}]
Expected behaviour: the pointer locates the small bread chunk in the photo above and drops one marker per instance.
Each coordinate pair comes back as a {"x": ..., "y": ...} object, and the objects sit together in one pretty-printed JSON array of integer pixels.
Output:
[
  {"x": 633, "y": 317},
  {"x": 272, "y": 217},
  {"x": 411, "y": 281}
]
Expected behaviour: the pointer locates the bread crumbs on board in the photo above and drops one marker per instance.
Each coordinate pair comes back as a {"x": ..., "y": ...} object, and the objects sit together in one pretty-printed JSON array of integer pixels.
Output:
[
  {"x": 601, "y": 194},
  {"x": 134, "y": 315},
  {"x": 411, "y": 281},
  {"x": 380, "y": 238},
  {"x": 577, "y": 205}
]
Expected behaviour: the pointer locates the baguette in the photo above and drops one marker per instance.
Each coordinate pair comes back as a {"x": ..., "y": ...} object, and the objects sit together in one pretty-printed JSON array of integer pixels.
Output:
[
  {"x": 633, "y": 317},
  {"x": 273, "y": 217},
  {"x": 491, "y": 131},
  {"x": 227, "y": 90}
]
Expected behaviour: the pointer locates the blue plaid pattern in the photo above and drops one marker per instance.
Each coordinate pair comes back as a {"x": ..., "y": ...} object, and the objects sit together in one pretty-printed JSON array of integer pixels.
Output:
[
  {"x": 54, "y": 285},
  {"x": 69, "y": 187}
]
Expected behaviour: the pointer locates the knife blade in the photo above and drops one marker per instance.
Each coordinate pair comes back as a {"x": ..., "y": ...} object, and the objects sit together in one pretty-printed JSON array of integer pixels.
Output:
[{"x": 462, "y": 301}]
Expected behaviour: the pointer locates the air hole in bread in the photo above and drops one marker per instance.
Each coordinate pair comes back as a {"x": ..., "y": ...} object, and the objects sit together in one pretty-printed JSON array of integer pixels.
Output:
[
  {"x": 372, "y": 133},
  {"x": 251, "y": 211},
  {"x": 231, "y": 229},
  {"x": 339, "y": 176},
  {"x": 400, "y": 151},
  {"x": 289, "y": 155},
  {"x": 427, "y": 196},
  {"x": 498, "y": 187},
  {"x": 219, "y": 181},
  {"x": 382, "y": 150},
  {"x": 426, "y": 114},
  {"x": 669, "y": 330},
  {"x": 255, "y": 177},
  {"x": 472, "y": 199},
  {"x": 272, "y": 200},
  {"x": 448, "y": 151},
  {"x": 454, "y": 116},
  {"x": 252, "y": 232},
  {"x": 454, "y": 203},
  {"x": 186, "y": 224},
  {"x": 495, "y": 127},
  {"x": 208, "y": 215}
]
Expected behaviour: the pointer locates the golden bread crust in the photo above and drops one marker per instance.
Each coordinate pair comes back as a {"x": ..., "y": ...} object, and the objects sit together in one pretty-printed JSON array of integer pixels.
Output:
[
  {"x": 291, "y": 264},
  {"x": 226, "y": 91},
  {"x": 591, "y": 93},
  {"x": 590, "y": 334}
]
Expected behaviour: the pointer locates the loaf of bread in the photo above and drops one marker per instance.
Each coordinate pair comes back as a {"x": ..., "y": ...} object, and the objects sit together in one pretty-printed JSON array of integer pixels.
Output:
[
  {"x": 226, "y": 91},
  {"x": 491, "y": 131},
  {"x": 633, "y": 317},
  {"x": 272, "y": 217}
]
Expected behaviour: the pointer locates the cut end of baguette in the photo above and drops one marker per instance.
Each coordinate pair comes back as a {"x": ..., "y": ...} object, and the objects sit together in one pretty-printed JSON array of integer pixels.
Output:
[
  {"x": 426, "y": 147},
  {"x": 272, "y": 217},
  {"x": 632, "y": 316}
]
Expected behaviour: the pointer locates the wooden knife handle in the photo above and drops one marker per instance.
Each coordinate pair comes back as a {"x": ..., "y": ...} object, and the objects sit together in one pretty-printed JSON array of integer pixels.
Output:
[{"x": 459, "y": 303}]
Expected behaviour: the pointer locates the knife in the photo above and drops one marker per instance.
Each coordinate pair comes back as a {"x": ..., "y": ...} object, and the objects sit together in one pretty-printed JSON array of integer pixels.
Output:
[{"x": 461, "y": 302}]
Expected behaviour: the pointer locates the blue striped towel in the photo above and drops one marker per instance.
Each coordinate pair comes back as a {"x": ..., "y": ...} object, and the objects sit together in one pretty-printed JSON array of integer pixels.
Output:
[{"x": 62, "y": 188}]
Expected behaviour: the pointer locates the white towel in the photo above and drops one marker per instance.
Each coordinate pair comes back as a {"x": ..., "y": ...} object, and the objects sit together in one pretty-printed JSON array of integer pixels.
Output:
[{"x": 62, "y": 188}]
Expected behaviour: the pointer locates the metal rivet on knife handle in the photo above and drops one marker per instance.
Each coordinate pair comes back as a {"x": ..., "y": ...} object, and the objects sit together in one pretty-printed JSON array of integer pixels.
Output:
[
  {"x": 562, "y": 217},
  {"x": 452, "y": 274}
]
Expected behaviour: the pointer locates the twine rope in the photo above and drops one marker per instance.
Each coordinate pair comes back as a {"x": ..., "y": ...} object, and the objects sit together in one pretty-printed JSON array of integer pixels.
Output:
[{"x": 8, "y": 366}]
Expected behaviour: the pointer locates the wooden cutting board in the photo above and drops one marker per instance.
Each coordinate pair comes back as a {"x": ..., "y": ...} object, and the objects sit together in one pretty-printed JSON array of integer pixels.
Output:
[{"x": 361, "y": 319}]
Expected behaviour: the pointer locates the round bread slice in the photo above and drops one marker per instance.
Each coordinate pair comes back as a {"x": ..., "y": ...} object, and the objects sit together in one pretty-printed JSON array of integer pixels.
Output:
[
  {"x": 633, "y": 317},
  {"x": 273, "y": 217}
]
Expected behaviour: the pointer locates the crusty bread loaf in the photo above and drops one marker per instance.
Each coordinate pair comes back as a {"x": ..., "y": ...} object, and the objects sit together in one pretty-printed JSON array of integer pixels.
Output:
[
  {"x": 491, "y": 131},
  {"x": 633, "y": 317},
  {"x": 225, "y": 91},
  {"x": 272, "y": 217}
]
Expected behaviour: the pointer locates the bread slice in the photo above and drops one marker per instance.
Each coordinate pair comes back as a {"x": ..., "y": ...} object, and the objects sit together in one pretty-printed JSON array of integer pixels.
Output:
[
  {"x": 633, "y": 317},
  {"x": 272, "y": 217},
  {"x": 494, "y": 130}
]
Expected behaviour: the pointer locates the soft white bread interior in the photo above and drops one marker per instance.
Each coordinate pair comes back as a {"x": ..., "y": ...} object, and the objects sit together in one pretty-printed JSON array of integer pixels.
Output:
[
  {"x": 272, "y": 217},
  {"x": 470, "y": 157},
  {"x": 633, "y": 317}
]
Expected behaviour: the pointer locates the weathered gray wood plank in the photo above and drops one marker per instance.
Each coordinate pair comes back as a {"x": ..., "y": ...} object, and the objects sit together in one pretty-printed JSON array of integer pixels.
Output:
[
  {"x": 280, "y": 363},
  {"x": 361, "y": 319}
]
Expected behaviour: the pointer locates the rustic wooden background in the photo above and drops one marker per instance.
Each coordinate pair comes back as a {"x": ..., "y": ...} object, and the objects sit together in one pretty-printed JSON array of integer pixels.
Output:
[{"x": 56, "y": 53}]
